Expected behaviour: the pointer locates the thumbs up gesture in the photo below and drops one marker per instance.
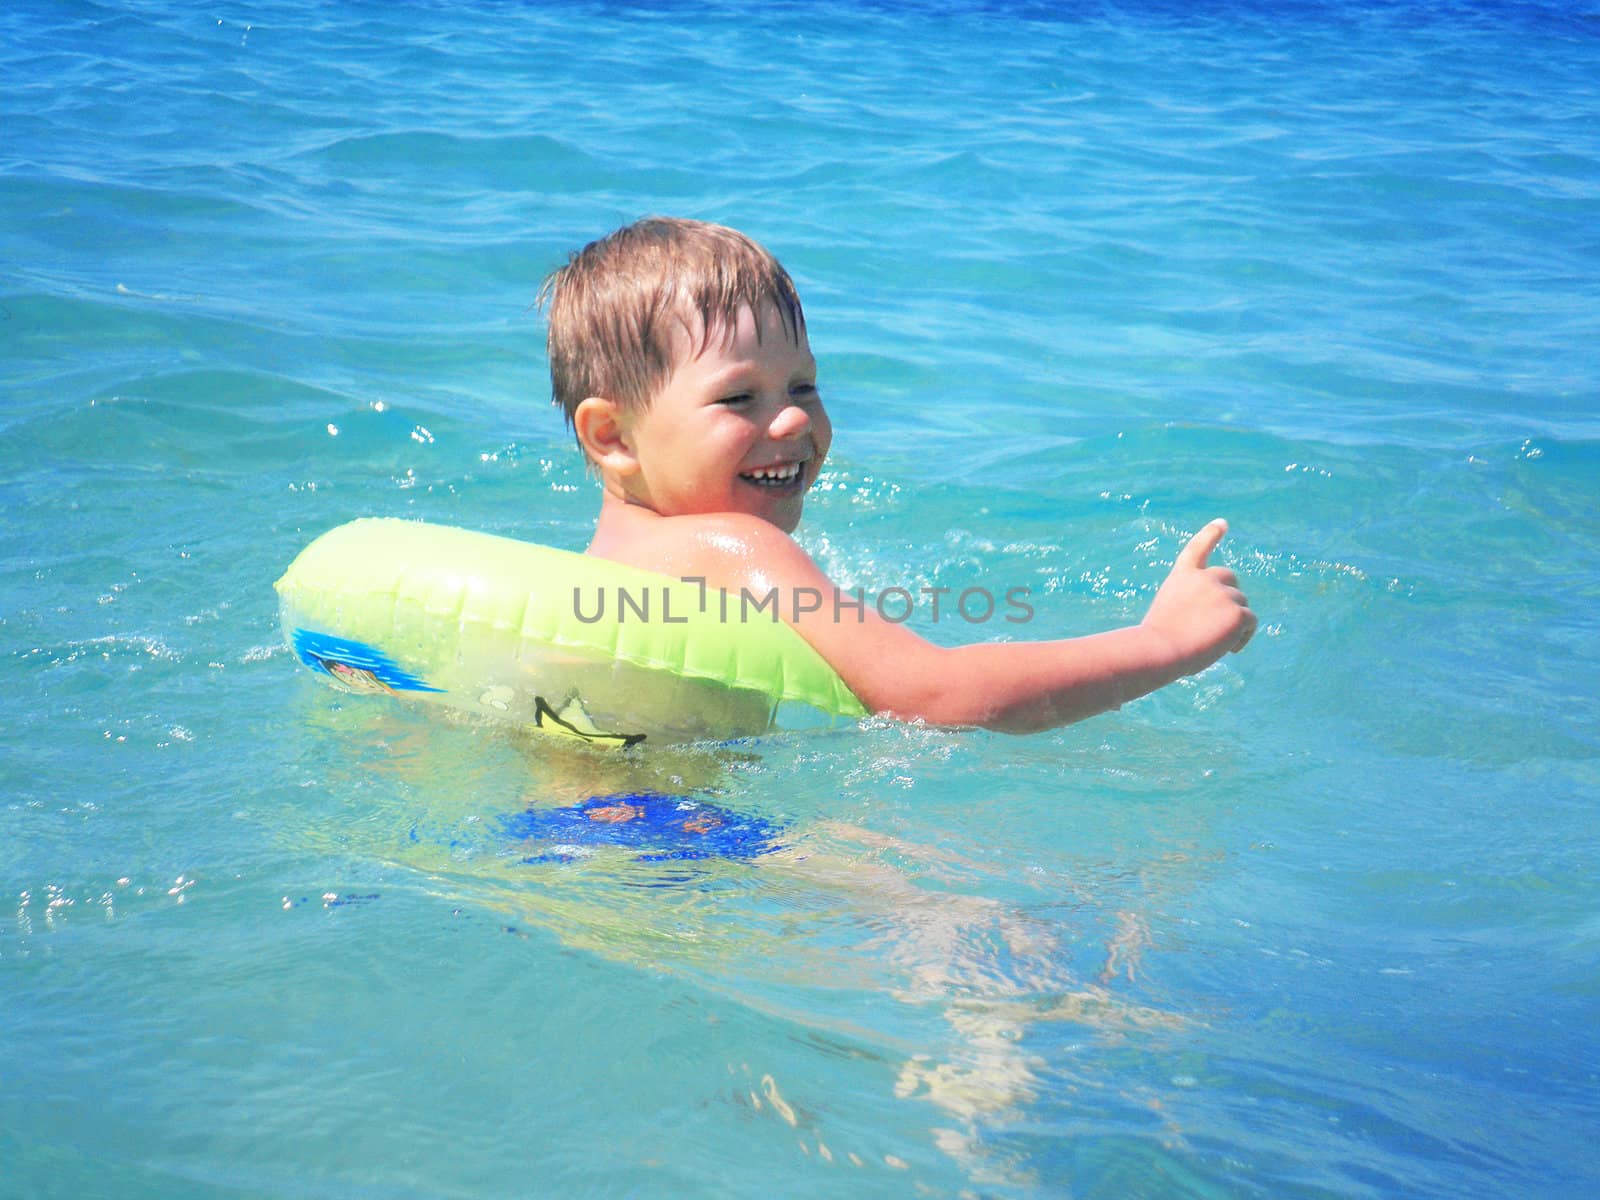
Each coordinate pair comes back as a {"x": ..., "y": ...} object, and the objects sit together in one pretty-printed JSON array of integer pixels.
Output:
[{"x": 1200, "y": 610}]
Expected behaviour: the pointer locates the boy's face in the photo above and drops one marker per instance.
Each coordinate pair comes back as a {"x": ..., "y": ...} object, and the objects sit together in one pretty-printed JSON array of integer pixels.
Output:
[{"x": 738, "y": 428}]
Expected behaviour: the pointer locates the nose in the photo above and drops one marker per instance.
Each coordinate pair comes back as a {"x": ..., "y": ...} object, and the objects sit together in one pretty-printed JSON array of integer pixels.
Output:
[{"x": 791, "y": 422}]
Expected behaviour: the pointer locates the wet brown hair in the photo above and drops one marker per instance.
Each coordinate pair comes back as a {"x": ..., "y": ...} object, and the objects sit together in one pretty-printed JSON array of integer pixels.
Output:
[{"x": 613, "y": 307}]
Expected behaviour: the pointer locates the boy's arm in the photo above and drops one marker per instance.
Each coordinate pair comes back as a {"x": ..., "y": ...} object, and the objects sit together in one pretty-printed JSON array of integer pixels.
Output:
[{"x": 1198, "y": 615}]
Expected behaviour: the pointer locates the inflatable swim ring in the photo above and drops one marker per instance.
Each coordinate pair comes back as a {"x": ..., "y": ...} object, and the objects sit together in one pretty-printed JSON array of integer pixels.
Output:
[{"x": 574, "y": 646}]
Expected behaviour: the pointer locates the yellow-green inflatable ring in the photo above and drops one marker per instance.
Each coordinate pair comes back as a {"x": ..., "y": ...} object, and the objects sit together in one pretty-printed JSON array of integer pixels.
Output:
[{"x": 556, "y": 641}]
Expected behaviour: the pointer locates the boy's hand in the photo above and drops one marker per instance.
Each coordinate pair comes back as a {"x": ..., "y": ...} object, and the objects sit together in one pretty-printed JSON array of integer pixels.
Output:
[{"x": 1200, "y": 611}]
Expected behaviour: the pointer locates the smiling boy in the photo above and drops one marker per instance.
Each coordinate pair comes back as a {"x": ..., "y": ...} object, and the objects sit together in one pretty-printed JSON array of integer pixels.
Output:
[{"x": 678, "y": 352}]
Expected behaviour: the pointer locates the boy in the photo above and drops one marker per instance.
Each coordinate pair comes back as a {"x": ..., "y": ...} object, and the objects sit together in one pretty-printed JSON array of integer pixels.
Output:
[{"x": 678, "y": 352}]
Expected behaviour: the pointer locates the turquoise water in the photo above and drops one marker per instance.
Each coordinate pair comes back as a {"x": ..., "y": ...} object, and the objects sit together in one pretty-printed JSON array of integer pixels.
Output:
[{"x": 1324, "y": 921}]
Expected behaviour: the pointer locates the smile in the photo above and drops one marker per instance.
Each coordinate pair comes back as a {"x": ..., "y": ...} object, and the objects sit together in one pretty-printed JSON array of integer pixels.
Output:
[{"x": 782, "y": 475}]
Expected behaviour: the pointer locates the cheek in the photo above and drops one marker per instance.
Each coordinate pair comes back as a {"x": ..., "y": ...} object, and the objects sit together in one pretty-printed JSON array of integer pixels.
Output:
[{"x": 822, "y": 433}]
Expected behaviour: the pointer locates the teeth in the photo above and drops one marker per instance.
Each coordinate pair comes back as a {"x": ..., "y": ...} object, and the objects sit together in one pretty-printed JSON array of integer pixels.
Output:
[{"x": 780, "y": 474}]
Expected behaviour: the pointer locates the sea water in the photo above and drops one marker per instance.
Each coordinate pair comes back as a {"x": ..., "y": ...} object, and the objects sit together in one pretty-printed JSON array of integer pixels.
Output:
[{"x": 1321, "y": 921}]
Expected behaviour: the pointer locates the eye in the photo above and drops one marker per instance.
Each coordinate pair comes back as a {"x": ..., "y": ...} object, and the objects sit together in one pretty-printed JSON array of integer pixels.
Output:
[
  {"x": 803, "y": 390},
  {"x": 737, "y": 398}
]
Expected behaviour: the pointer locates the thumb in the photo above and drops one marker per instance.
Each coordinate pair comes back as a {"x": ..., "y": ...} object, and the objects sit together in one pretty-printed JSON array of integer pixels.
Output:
[{"x": 1202, "y": 544}]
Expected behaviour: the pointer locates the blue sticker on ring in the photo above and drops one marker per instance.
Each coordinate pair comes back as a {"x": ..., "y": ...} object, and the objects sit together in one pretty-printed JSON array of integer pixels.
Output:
[{"x": 355, "y": 665}]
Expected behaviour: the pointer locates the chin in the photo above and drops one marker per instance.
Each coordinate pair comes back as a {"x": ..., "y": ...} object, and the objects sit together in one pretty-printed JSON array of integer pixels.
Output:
[
  {"x": 786, "y": 521},
  {"x": 784, "y": 512},
  {"x": 786, "y": 518}
]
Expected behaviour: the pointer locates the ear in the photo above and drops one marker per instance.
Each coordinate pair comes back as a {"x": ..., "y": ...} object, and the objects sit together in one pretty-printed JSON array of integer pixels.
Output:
[{"x": 601, "y": 426}]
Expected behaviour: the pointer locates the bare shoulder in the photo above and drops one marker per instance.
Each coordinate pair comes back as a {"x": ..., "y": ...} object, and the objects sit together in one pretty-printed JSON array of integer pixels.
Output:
[
  {"x": 732, "y": 533},
  {"x": 729, "y": 550},
  {"x": 738, "y": 550}
]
